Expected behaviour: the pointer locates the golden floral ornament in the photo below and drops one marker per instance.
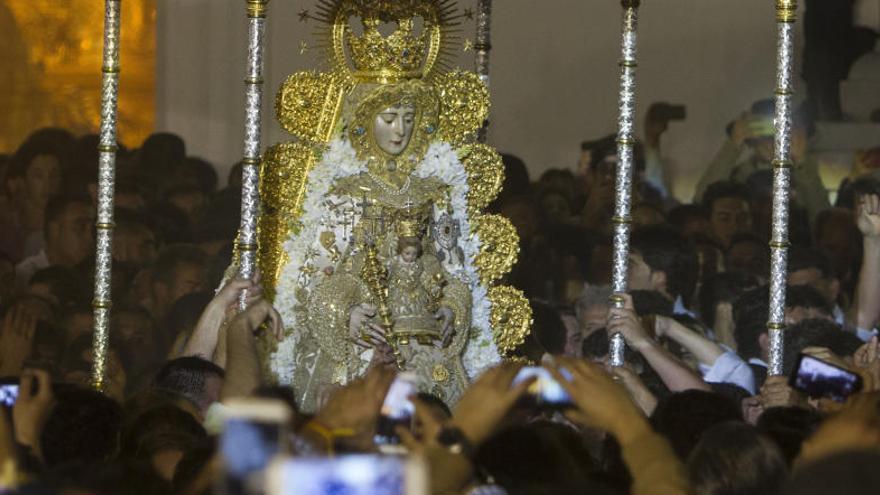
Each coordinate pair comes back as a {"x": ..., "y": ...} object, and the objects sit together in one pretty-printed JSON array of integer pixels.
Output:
[
  {"x": 309, "y": 103},
  {"x": 499, "y": 246},
  {"x": 464, "y": 106},
  {"x": 283, "y": 174},
  {"x": 485, "y": 175},
  {"x": 510, "y": 318}
]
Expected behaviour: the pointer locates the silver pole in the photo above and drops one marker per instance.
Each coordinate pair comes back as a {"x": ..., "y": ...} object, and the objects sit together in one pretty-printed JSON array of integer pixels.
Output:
[
  {"x": 786, "y": 14},
  {"x": 483, "y": 48},
  {"x": 623, "y": 182},
  {"x": 250, "y": 194},
  {"x": 106, "y": 178}
]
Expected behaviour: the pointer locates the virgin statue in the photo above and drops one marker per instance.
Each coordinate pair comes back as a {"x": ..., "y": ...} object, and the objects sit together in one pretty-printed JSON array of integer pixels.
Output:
[{"x": 371, "y": 243}]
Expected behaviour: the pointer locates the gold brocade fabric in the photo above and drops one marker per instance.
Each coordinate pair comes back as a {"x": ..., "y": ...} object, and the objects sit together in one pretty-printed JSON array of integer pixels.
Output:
[{"x": 51, "y": 52}]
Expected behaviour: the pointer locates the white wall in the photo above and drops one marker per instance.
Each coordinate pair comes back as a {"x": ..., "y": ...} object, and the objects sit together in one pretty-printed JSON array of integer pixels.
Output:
[{"x": 554, "y": 72}]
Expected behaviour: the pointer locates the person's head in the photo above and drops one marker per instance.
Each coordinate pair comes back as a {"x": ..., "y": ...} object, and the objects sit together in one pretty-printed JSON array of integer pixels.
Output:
[
  {"x": 816, "y": 332},
  {"x": 718, "y": 294},
  {"x": 60, "y": 285},
  {"x": 161, "y": 436},
  {"x": 592, "y": 308},
  {"x": 521, "y": 212},
  {"x": 83, "y": 426},
  {"x": 69, "y": 225},
  {"x": 409, "y": 248},
  {"x": 37, "y": 166},
  {"x": 684, "y": 416},
  {"x": 178, "y": 271},
  {"x": 727, "y": 205},
  {"x": 189, "y": 198},
  {"x": 134, "y": 333},
  {"x": 788, "y": 427},
  {"x": 804, "y": 302},
  {"x": 852, "y": 472},
  {"x": 761, "y": 130},
  {"x": 662, "y": 260},
  {"x": 161, "y": 152},
  {"x": 748, "y": 253},
  {"x": 690, "y": 220},
  {"x": 197, "y": 379},
  {"x": 812, "y": 267},
  {"x": 134, "y": 239},
  {"x": 539, "y": 457},
  {"x": 734, "y": 459}
]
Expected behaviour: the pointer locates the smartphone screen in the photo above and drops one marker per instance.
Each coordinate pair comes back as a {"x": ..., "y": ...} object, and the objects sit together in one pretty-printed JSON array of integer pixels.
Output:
[
  {"x": 253, "y": 436},
  {"x": 397, "y": 409},
  {"x": 8, "y": 394},
  {"x": 545, "y": 392},
  {"x": 349, "y": 475},
  {"x": 818, "y": 378}
]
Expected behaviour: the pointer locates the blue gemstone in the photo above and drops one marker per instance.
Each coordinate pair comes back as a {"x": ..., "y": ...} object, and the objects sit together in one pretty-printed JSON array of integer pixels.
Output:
[{"x": 360, "y": 131}]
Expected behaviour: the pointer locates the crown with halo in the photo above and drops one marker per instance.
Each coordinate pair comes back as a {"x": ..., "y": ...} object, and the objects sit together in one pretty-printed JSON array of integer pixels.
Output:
[{"x": 387, "y": 41}]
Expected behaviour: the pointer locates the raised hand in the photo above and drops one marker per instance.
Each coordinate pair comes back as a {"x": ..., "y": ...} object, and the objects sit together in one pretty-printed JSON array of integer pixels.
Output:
[
  {"x": 777, "y": 393},
  {"x": 487, "y": 401},
  {"x": 601, "y": 401},
  {"x": 626, "y": 322},
  {"x": 867, "y": 360},
  {"x": 32, "y": 407},
  {"x": 868, "y": 215},
  {"x": 16, "y": 339},
  {"x": 355, "y": 407}
]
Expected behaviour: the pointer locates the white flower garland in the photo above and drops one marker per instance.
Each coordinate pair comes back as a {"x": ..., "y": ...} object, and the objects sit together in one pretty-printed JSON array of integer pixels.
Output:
[
  {"x": 442, "y": 162},
  {"x": 339, "y": 161}
]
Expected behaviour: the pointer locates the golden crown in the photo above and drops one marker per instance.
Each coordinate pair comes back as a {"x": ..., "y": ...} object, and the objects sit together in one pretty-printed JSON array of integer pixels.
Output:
[
  {"x": 410, "y": 222},
  {"x": 416, "y": 44}
]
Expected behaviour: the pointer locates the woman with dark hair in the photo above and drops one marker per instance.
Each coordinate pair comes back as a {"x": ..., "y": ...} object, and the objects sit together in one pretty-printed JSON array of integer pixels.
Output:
[{"x": 734, "y": 459}]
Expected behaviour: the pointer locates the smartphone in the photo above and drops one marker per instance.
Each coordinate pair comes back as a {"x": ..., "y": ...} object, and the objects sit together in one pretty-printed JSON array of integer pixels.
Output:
[
  {"x": 397, "y": 410},
  {"x": 545, "y": 392},
  {"x": 818, "y": 378},
  {"x": 254, "y": 434},
  {"x": 349, "y": 475},
  {"x": 8, "y": 394}
]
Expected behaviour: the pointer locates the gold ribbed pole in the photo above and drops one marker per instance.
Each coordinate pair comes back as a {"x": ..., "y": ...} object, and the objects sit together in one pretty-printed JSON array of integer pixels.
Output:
[
  {"x": 106, "y": 179},
  {"x": 250, "y": 194},
  {"x": 623, "y": 183},
  {"x": 786, "y": 15}
]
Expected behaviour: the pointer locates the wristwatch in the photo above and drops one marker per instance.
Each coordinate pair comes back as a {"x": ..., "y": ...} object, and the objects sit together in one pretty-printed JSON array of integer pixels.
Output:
[{"x": 455, "y": 441}]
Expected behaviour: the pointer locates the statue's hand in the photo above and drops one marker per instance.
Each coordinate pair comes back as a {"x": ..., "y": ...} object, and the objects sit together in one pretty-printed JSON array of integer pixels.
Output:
[
  {"x": 447, "y": 324},
  {"x": 363, "y": 332}
]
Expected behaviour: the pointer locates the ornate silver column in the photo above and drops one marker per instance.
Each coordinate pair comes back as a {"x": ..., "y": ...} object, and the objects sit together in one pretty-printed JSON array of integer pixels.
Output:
[
  {"x": 483, "y": 47},
  {"x": 623, "y": 183},
  {"x": 786, "y": 14},
  {"x": 106, "y": 178},
  {"x": 250, "y": 195}
]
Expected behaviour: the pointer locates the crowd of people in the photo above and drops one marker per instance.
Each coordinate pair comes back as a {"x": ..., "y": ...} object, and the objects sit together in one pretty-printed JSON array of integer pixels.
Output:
[{"x": 693, "y": 408}]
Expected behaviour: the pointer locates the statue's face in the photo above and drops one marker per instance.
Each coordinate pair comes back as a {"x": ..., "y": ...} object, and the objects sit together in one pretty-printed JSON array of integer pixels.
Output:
[
  {"x": 409, "y": 254},
  {"x": 393, "y": 128}
]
